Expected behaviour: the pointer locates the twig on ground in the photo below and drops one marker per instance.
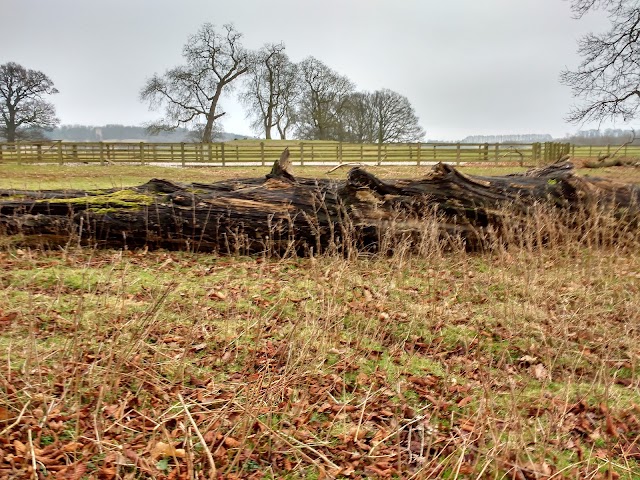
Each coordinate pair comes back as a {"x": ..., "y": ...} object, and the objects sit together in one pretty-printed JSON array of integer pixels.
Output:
[
  {"x": 8, "y": 429},
  {"x": 348, "y": 164},
  {"x": 213, "y": 473}
]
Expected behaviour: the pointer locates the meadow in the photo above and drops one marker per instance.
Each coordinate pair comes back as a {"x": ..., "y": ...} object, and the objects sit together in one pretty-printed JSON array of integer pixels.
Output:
[{"x": 522, "y": 362}]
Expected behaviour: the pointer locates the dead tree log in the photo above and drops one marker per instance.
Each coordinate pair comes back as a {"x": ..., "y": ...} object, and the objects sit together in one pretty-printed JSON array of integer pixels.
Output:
[
  {"x": 282, "y": 213},
  {"x": 611, "y": 159}
]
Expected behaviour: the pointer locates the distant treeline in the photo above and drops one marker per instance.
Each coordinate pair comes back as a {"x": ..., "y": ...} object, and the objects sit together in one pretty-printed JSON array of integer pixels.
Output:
[
  {"x": 522, "y": 138},
  {"x": 609, "y": 136},
  {"x": 106, "y": 133}
]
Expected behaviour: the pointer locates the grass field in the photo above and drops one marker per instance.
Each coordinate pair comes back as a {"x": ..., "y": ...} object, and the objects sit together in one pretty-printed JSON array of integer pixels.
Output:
[
  {"x": 520, "y": 363},
  {"x": 95, "y": 176}
]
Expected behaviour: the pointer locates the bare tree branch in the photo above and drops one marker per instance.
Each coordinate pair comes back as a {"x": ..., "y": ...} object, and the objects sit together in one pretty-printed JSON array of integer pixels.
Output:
[{"x": 608, "y": 78}]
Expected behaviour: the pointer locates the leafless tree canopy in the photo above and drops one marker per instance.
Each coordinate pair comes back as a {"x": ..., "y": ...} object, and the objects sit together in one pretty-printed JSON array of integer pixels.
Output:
[
  {"x": 380, "y": 117},
  {"x": 321, "y": 104},
  {"x": 23, "y": 108},
  {"x": 271, "y": 89},
  {"x": 308, "y": 99},
  {"x": 608, "y": 79},
  {"x": 324, "y": 99},
  {"x": 581, "y": 7},
  {"x": 190, "y": 93}
]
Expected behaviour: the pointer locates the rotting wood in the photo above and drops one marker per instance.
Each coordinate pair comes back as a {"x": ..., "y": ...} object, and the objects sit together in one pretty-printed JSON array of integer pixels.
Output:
[
  {"x": 611, "y": 159},
  {"x": 282, "y": 213}
]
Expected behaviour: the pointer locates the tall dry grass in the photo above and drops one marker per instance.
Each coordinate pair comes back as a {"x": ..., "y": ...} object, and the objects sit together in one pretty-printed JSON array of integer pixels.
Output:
[{"x": 424, "y": 360}]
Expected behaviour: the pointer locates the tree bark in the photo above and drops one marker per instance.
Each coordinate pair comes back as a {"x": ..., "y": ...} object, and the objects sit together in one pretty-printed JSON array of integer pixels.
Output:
[
  {"x": 282, "y": 213},
  {"x": 607, "y": 161}
]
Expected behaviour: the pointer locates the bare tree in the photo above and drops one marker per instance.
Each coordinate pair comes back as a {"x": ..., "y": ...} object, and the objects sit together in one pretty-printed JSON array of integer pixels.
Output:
[
  {"x": 358, "y": 118},
  {"x": 381, "y": 117},
  {"x": 324, "y": 98},
  {"x": 608, "y": 78},
  {"x": 23, "y": 109},
  {"x": 190, "y": 93},
  {"x": 196, "y": 133},
  {"x": 270, "y": 90},
  {"x": 288, "y": 96}
]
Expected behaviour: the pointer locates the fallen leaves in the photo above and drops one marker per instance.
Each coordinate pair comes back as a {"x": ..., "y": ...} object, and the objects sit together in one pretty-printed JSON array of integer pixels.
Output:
[
  {"x": 162, "y": 449},
  {"x": 6, "y": 319},
  {"x": 372, "y": 381},
  {"x": 540, "y": 372}
]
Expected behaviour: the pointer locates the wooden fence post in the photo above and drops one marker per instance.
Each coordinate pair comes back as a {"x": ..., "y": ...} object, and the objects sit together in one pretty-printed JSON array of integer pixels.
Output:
[
  {"x": 495, "y": 156},
  {"x": 262, "y": 153},
  {"x": 39, "y": 150},
  {"x": 60, "y": 158},
  {"x": 222, "y": 154},
  {"x": 419, "y": 148},
  {"x": 101, "y": 153},
  {"x": 182, "y": 159},
  {"x": 458, "y": 154},
  {"x": 17, "y": 145},
  {"x": 141, "y": 153}
]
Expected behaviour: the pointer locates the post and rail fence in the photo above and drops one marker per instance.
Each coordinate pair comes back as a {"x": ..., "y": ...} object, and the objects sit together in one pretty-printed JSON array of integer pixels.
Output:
[{"x": 255, "y": 152}]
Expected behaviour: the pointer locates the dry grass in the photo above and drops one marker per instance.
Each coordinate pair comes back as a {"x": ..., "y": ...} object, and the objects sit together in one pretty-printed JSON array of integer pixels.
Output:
[{"x": 517, "y": 363}]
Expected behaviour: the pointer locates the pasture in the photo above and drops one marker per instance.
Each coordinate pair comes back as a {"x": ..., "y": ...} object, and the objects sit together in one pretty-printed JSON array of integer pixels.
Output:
[{"x": 519, "y": 363}]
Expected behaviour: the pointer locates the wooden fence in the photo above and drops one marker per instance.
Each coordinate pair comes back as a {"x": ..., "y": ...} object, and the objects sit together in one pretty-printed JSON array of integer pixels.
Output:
[{"x": 257, "y": 152}]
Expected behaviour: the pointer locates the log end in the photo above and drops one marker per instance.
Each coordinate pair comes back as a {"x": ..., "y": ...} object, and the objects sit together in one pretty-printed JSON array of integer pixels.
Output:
[{"x": 282, "y": 168}]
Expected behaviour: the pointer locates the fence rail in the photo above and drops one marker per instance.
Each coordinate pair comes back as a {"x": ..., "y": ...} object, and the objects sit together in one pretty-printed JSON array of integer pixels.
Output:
[{"x": 302, "y": 153}]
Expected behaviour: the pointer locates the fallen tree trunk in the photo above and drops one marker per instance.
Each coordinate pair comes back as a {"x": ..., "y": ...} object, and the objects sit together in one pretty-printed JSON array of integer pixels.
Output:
[
  {"x": 282, "y": 213},
  {"x": 607, "y": 161}
]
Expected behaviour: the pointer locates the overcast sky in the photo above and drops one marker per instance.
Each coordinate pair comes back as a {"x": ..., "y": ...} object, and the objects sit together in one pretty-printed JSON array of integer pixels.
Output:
[{"x": 467, "y": 66}]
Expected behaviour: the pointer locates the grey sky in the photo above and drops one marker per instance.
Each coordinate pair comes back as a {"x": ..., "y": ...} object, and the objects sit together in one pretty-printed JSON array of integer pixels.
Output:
[{"x": 467, "y": 66}]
